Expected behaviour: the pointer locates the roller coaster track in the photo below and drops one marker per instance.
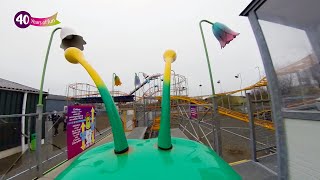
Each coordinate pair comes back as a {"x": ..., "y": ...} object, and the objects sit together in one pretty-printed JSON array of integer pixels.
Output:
[
  {"x": 262, "y": 82},
  {"x": 225, "y": 111}
]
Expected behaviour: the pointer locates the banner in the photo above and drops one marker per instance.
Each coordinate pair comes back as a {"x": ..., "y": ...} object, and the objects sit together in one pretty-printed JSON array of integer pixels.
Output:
[
  {"x": 193, "y": 112},
  {"x": 80, "y": 129},
  {"x": 23, "y": 19}
]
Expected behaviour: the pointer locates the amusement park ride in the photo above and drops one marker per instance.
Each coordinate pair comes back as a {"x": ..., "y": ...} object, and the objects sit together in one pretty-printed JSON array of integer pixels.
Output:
[
  {"x": 180, "y": 158},
  {"x": 158, "y": 131},
  {"x": 157, "y": 99},
  {"x": 165, "y": 156}
]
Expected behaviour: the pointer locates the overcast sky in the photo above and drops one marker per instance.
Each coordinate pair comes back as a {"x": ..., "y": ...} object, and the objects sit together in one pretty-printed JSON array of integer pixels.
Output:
[{"x": 124, "y": 37}]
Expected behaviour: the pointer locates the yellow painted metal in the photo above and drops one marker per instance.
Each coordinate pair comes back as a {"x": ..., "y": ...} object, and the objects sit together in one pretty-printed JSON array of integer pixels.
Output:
[
  {"x": 124, "y": 120},
  {"x": 261, "y": 112},
  {"x": 226, "y": 112},
  {"x": 262, "y": 82},
  {"x": 239, "y": 162},
  {"x": 156, "y": 124}
]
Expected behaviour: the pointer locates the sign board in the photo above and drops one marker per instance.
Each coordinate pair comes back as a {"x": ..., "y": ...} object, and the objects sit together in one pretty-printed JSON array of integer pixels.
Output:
[
  {"x": 80, "y": 129},
  {"x": 193, "y": 112}
]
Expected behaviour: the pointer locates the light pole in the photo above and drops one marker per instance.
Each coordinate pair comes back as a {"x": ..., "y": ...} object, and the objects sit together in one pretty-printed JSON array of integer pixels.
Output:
[
  {"x": 239, "y": 76},
  {"x": 219, "y": 82},
  {"x": 224, "y": 35},
  {"x": 257, "y": 67},
  {"x": 200, "y": 87},
  {"x": 69, "y": 38}
]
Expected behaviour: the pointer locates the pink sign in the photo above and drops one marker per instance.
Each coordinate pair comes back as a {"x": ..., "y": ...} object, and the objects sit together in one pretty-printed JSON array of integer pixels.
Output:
[
  {"x": 193, "y": 112},
  {"x": 80, "y": 129}
]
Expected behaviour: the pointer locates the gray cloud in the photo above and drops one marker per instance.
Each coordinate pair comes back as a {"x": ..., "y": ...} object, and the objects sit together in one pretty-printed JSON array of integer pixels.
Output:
[{"x": 125, "y": 37}]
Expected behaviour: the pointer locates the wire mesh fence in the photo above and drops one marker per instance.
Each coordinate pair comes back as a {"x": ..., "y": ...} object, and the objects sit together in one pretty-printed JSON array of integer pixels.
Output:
[
  {"x": 18, "y": 155},
  {"x": 235, "y": 133}
]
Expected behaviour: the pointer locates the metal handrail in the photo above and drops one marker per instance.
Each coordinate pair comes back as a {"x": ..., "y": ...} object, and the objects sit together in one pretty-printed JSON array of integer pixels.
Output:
[{"x": 26, "y": 115}]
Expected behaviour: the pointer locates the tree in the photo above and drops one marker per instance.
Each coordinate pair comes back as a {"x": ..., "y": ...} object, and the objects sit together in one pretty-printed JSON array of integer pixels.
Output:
[{"x": 285, "y": 84}]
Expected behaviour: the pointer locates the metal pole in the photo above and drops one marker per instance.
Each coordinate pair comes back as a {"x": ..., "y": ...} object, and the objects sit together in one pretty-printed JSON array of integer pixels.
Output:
[
  {"x": 144, "y": 112},
  {"x": 222, "y": 101},
  {"x": 40, "y": 110},
  {"x": 38, "y": 139},
  {"x": 23, "y": 123},
  {"x": 240, "y": 83},
  {"x": 113, "y": 75},
  {"x": 262, "y": 105},
  {"x": 273, "y": 86},
  {"x": 29, "y": 138},
  {"x": 45, "y": 66},
  {"x": 255, "y": 98},
  {"x": 254, "y": 94},
  {"x": 261, "y": 98},
  {"x": 174, "y": 82},
  {"x": 252, "y": 129},
  {"x": 217, "y": 134},
  {"x": 198, "y": 122}
]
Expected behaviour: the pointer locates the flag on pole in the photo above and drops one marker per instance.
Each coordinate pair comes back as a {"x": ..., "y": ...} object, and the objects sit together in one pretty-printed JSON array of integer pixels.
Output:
[
  {"x": 117, "y": 81},
  {"x": 136, "y": 80}
]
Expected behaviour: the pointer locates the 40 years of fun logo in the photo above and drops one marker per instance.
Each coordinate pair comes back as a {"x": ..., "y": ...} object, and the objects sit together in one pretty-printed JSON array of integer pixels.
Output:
[{"x": 23, "y": 20}]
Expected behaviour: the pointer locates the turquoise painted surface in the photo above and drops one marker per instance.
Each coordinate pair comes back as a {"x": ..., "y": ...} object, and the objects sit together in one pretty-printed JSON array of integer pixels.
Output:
[
  {"x": 120, "y": 139},
  {"x": 186, "y": 160},
  {"x": 164, "y": 137}
]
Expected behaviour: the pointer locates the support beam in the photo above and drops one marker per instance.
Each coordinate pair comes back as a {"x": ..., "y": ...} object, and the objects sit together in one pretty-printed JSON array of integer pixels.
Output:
[
  {"x": 314, "y": 36},
  {"x": 282, "y": 154},
  {"x": 252, "y": 129},
  {"x": 23, "y": 123}
]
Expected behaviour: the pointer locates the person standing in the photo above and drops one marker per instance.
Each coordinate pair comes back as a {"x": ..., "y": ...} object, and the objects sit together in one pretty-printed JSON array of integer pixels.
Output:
[
  {"x": 65, "y": 118},
  {"x": 56, "y": 121}
]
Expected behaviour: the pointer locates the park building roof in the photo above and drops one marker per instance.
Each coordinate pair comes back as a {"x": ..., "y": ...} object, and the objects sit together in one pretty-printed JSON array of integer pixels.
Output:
[{"x": 13, "y": 86}]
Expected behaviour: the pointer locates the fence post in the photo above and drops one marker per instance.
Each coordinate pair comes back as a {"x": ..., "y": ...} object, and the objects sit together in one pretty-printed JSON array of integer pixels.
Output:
[
  {"x": 23, "y": 123},
  {"x": 216, "y": 127},
  {"x": 252, "y": 129},
  {"x": 29, "y": 139},
  {"x": 39, "y": 138},
  {"x": 144, "y": 112}
]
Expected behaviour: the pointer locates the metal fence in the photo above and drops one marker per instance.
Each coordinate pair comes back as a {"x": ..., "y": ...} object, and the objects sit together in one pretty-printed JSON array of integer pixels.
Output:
[
  {"x": 240, "y": 140},
  {"x": 237, "y": 136},
  {"x": 19, "y": 161}
]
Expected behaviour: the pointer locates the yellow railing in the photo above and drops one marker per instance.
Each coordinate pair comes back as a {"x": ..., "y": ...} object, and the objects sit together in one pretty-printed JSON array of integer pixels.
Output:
[{"x": 224, "y": 111}]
